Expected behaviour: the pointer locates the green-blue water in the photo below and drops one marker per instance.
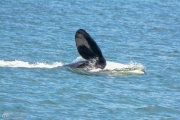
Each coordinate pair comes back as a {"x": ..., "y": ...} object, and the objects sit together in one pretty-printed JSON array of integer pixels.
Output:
[{"x": 37, "y": 38}]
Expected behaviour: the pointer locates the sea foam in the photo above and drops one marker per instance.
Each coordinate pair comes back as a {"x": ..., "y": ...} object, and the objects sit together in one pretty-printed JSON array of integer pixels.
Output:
[{"x": 22, "y": 64}]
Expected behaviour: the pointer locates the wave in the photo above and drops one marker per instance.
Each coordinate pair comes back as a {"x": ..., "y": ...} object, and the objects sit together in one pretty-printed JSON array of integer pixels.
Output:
[
  {"x": 22, "y": 64},
  {"x": 158, "y": 109}
]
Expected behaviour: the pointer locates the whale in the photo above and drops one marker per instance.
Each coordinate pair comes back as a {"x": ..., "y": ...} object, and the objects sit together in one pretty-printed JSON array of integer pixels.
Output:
[{"x": 89, "y": 50}]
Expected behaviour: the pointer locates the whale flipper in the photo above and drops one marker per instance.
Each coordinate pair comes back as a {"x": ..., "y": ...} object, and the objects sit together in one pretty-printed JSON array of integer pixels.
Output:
[{"x": 89, "y": 49}]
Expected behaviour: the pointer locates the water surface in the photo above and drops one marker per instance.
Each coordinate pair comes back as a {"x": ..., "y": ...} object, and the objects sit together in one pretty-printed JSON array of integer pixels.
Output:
[{"x": 37, "y": 38}]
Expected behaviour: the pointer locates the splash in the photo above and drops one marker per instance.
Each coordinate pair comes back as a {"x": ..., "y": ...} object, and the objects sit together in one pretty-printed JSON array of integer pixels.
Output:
[
  {"x": 22, "y": 64},
  {"x": 112, "y": 68},
  {"x": 118, "y": 68}
]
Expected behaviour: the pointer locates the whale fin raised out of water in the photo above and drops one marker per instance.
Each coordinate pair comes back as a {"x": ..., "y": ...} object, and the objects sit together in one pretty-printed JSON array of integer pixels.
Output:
[{"x": 89, "y": 50}]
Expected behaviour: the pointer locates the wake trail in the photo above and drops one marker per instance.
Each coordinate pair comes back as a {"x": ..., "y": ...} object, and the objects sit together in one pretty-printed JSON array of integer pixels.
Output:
[
  {"x": 131, "y": 67},
  {"x": 22, "y": 64}
]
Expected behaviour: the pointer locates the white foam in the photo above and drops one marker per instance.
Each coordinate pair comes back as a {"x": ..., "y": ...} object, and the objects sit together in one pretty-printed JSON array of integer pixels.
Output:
[
  {"x": 78, "y": 59},
  {"x": 111, "y": 66},
  {"x": 115, "y": 66},
  {"x": 131, "y": 67},
  {"x": 120, "y": 66},
  {"x": 23, "y": 64}
]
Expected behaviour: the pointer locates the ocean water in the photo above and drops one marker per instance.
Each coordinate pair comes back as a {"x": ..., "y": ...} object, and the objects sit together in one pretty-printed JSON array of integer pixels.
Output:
[{"x": 139, "y": 39}]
